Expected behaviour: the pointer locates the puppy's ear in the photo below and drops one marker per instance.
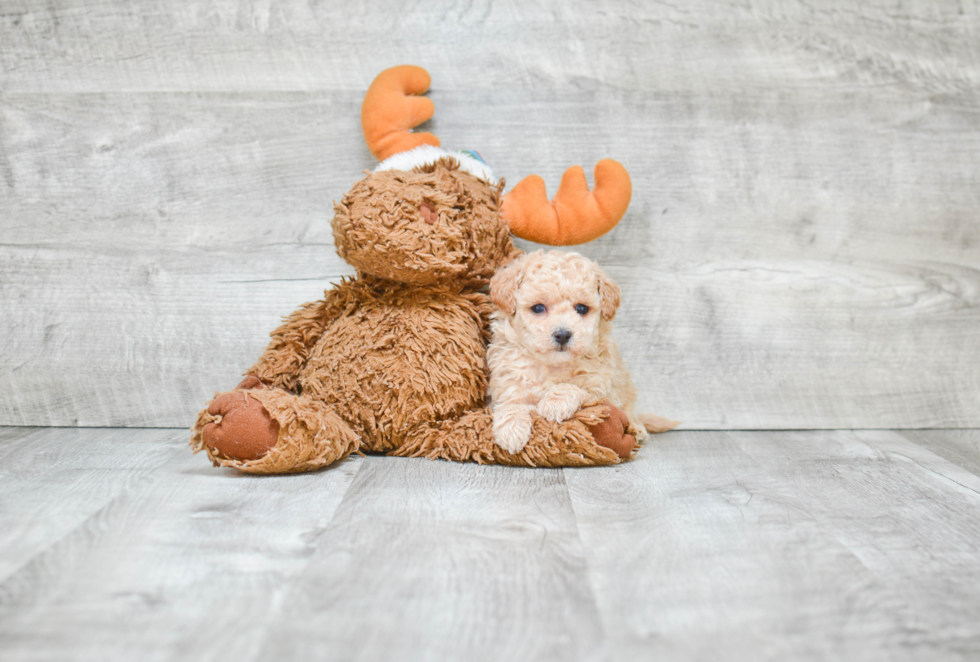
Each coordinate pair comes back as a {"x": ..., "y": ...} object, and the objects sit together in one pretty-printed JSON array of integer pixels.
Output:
[
  {"x": 609, "y": 291},
  {"x": 504, "y": 284}
]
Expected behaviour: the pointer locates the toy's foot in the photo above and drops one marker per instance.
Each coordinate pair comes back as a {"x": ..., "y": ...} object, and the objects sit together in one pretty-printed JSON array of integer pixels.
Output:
[
  {"x": 244, "y": 431},
  {"x": 612, "y": 432},
  {"x": 265, "y": 430}
]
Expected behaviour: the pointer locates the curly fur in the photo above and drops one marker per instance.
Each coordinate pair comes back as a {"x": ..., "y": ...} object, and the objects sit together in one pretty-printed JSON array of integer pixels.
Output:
[
  {"x": 552, "y": 349},
  {"x": 423, "y": 226},
  {"x": 395, "y": 359}
]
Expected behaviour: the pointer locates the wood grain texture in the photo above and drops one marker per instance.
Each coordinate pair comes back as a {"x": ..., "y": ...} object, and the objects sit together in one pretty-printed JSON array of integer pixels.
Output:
[
  {"x": 49, "y": 487},
  {"x": 153, "y": 295},
  {"x": 802, "y": 249},
  {"x": 910, "y": 518},
  {"x": 439, "y": 561},
  {"x": 961, "y": 447},
  {"x": 188, "y": 562},
  {"x": 741, "y": 546},
  {"x": 804, "y": 546}
]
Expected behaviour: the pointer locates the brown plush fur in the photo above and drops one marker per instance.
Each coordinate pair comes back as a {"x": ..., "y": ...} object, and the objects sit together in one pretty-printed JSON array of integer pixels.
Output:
[
  {"x": 394, "y": 360},
  {"x": 311, "y": 435}
]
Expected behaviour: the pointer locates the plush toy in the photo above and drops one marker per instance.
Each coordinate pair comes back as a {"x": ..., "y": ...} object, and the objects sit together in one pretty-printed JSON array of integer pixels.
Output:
[{"x": 394, "y": 359}]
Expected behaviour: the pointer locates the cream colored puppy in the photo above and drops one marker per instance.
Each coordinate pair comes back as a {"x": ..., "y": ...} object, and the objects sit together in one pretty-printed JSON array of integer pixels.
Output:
[{"x": 552, "y": 349}]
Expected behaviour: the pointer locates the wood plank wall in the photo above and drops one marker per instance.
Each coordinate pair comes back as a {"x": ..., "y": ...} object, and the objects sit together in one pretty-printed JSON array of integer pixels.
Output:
[{"x": 802, "y": 250}]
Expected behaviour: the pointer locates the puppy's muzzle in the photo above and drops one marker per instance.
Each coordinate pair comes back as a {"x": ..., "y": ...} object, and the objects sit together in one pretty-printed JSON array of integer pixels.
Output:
[{"x": 561, "y": 337}]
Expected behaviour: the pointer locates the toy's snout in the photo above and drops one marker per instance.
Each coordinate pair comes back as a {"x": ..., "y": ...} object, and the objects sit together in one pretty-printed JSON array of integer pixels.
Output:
[{"x": 428, "y": 212}]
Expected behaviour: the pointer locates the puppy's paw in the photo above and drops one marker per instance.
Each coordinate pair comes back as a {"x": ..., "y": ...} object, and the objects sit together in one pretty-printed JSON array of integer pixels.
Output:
[
  {"x": 561, "y": 402},
  {"x": 511, "y": 428}
]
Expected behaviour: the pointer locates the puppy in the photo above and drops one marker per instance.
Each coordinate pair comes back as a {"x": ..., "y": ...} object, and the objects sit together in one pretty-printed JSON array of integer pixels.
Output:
[{"x": 552, "y": 349}]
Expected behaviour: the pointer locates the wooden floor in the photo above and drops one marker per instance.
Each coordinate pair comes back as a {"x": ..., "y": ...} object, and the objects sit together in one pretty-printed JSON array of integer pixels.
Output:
[{"x": 118, "y": 544}]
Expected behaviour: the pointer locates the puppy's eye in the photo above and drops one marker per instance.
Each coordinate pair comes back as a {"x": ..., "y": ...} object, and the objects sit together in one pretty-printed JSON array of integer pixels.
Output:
[
  {"x": 538, "y": 308},
  {"x": 582, "y": 309}
]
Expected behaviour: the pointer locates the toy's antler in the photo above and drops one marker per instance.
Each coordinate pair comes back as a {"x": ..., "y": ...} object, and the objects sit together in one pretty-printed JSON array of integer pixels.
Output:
[
  {"x": 389, "y": 113},
  {"x": 576, "y": 215}
]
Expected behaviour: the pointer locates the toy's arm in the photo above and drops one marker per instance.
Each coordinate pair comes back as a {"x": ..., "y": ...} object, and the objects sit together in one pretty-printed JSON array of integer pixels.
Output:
[
  {"x": 287, "y": 353},
  {"x": 482, "y": 308}
]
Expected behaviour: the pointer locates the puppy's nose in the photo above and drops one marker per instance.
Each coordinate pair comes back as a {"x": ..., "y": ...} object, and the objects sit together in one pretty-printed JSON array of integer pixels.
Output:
[{"x": 562, "y": 336}]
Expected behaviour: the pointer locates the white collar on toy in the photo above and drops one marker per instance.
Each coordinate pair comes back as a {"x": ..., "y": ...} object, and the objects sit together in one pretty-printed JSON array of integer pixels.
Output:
[{"x": 427, "y": 154}]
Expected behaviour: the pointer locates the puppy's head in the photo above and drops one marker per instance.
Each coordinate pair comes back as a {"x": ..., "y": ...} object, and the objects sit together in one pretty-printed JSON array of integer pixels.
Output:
[{"x": 556, "y": 303}]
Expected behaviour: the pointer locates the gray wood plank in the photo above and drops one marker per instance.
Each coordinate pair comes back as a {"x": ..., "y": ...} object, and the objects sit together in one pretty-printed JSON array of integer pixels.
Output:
[
  {"x": 52, "y": 480},
  {"x": 961, "y": 447},
  {"x": 820, "y": 545},
  {"x": 88, "y": 45},
  {"x": 805, "y": 344},
  {"x": 11, "y": 437},
  {"x": 439, "y": 561},
  {"x": 910, "y": 517},
  {"x": 191, "y": 562},
  {"x": 801, "y": 250},
  {"x": 168, "y": 286},
  {"x": 709, "y": 545}
]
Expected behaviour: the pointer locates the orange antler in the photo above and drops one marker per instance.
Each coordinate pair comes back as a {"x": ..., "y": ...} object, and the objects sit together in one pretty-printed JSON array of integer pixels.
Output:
[
  {"x": 388, "y": 113},
  {"x": 576, "y": 215}
]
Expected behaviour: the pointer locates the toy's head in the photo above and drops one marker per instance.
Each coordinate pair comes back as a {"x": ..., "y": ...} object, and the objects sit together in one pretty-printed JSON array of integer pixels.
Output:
[
  {"x": 432, "y": 223},
  {"x": 427, "y": 216}
]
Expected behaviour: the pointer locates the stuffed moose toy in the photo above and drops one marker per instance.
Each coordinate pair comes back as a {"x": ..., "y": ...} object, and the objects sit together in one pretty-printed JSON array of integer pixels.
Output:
[{"x": 393, "y": 360}]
